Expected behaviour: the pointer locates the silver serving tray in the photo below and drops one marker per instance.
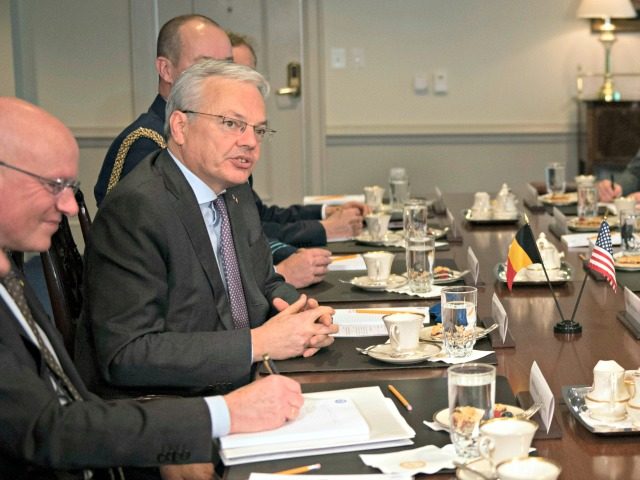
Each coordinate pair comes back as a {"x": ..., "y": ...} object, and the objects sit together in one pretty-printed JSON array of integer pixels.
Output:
[
  {"x": 564, "y": 275},
  {"x": 468, "y": 216},
  {"x": 573, "y": 396}
]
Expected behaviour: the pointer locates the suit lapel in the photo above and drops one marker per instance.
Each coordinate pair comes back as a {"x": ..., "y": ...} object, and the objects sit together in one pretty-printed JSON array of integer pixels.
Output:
[{"x": 188, "y": 211}]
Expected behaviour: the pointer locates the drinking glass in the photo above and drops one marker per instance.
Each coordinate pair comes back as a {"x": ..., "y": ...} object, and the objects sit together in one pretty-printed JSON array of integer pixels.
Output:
[
  {"x": 398, "y": 187},
  {"x": 459, "y": 319},
  {"x": 628, "y": 227},
  {"x": 420, "y": 255},
  {"x": 414, "y": 218},
  {"x": 554, "y": 175},
  {"x": 587, "y": 201},
  {"x": 472, "y": 392}
]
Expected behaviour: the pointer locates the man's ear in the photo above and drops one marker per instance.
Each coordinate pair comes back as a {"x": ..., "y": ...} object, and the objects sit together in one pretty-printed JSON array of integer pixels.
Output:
[
  {"x": 179, "y": 124},
  {"x": 165, "y": 69}
]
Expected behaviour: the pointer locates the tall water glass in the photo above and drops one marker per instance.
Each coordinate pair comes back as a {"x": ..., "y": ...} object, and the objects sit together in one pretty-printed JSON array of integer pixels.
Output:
[
  {"x": 459, "y": 319},
  {"x": 398, "y": 187},
  {"x": 414, "y": 218},
  {"x": 587, "y": 201},
  {"x": 628, "y": 228},
  {"x": 472, "y": 392},
  {"x": 420, "y": 255},
  {"x": 554, "y": 175}
]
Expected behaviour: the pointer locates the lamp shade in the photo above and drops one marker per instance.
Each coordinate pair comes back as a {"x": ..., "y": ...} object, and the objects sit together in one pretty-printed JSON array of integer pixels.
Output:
[{"x": 606, "y": 9}]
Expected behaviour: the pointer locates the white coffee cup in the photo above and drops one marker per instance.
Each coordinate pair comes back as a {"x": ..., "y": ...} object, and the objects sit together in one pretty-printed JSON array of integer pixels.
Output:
[
  {"x": 481, "y": 205},
  {"x": 506, "y": 437},
  {"x": 404, "y": 330},
  {"x": 377, "y": 225},
  {"x": 528, "y": 468},
  {"x": 378, "y": 265}
]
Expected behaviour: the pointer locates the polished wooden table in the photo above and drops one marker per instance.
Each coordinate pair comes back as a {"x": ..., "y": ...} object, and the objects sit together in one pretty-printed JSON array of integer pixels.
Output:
[{"x": 564, "y": 360}]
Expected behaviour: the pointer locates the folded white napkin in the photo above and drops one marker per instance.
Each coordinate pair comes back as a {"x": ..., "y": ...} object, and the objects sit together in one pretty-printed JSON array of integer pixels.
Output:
[
  {"x": 586, "y": 239},
  {"x": 435, "y": 426},
  {"x": 475, "y": 355},
  {"x": 428, "y": 459}
]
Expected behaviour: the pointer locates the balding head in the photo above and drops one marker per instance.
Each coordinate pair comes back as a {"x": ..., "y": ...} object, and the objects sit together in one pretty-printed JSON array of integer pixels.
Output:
[
  {"x": 184, "y": 41},
  {"x": 36, "y": 142}
]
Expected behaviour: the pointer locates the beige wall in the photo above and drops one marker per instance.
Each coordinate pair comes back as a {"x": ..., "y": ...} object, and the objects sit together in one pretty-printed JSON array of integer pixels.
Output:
[{"x": 510, "y": 63}]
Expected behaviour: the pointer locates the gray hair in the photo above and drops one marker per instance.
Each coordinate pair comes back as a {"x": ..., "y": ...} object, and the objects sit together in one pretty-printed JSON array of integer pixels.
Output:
[{"x": 186, "y": 93}]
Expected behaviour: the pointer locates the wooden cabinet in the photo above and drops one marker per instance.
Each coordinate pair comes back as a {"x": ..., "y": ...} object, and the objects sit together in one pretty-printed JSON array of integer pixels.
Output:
[{"x": 608, "y": 134}]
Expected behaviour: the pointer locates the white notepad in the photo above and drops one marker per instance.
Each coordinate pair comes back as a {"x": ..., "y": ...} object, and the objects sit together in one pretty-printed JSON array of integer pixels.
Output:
[{"x": 387, "y": 428}]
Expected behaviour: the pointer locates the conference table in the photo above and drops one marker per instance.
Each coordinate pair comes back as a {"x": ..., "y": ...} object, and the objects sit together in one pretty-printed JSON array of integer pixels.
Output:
[{"x": 563, "y": 359}]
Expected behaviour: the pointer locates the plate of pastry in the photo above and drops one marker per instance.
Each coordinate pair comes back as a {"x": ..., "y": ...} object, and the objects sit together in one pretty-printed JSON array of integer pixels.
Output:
[
  {"x": 559, "y": 199},
  {"x": 446, "y": 275},
  {"x": 364, "y": 282},
  {"x": 590, "y": 224},
  {"x": 434, "y": 333},
  {"x": 499, "y": 410},
  {"x": 627, "y": 261}
]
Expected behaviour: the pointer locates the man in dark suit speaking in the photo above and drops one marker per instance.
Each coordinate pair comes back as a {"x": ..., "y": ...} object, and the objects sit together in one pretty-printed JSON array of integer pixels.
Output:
[
  {"x": 181, "y": 278},
  {"x": 50, "y": 425}
]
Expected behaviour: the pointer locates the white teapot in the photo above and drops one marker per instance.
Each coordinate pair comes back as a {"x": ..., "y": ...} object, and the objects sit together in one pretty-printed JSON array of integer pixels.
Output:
[
  {"x": 551, "y": 257},
  {"x": 608, "y": 397}
]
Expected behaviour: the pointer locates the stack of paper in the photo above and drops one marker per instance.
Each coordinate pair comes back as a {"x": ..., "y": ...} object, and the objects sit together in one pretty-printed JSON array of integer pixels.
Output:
[
  {"x": 347, "y": 262},
  {"x": 367, "y": 322},
  {"x": 586, "y": 239},
  {"x": 333, "y": 421}
]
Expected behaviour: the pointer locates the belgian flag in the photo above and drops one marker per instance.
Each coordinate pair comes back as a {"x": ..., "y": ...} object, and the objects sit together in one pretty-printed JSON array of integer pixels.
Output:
[{"x": 523, "y": 251}]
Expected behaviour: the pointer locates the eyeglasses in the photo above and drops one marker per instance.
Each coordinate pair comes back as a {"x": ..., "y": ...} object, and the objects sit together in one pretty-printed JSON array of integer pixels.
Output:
[
  {"x": 54, "y": 185},
  {"x": 234, "y": 126}
]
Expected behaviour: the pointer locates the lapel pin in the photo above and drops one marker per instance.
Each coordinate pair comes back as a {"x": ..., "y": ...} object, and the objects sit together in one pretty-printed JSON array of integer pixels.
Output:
[{"x": 234, "y": 198}]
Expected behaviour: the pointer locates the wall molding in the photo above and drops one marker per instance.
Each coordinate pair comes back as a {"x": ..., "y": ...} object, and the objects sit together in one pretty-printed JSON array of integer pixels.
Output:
[{"x": 448, "y": 134}]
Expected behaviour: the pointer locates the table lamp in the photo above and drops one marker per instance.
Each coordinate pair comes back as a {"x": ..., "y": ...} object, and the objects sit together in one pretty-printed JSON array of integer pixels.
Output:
[{"x": 606, "y": 10}]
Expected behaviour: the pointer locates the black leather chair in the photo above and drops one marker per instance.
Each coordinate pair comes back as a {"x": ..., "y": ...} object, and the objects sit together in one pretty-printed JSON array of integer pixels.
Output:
[{"x": 63, "y": 269}]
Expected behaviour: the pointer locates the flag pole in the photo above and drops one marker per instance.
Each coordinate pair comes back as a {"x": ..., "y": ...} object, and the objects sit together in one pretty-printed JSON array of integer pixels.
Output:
[{"x": 553, "y": 294}]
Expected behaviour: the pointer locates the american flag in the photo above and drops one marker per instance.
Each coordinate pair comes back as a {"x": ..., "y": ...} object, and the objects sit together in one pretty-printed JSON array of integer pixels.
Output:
[{"x": 602, "y": 255}]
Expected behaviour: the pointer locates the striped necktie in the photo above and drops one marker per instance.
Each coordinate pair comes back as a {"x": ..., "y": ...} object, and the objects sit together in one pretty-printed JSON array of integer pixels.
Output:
[
  {"x": 231, "y": 268},
  {"x": 15, "y": 287}
]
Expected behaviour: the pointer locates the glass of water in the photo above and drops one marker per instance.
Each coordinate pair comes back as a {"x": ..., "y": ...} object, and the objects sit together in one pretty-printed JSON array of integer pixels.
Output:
[
  {"x": 554, "y": 175},
  {"x": 628, "y": 227},
  {"x": 420, "y": 255},
  {"x": 398, "y": 187},
  {"x": 459, "y": 319},
  {"x": 587, "y": 201},
  {"x": 414, "y": 218},
  {"x": 472, "y": 392}
]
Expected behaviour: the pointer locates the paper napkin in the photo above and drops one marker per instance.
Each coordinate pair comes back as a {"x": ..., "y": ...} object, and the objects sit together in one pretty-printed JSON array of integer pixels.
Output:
[
  {"x": 428, "y": 459},
  {"x": 475, "y": 355}
]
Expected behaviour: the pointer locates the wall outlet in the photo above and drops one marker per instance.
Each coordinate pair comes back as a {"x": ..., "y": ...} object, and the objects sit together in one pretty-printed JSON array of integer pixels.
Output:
[
  {"x": 440, "y": 84},
  {"x": 357, "y": 57},
  {"x": 338, "y": 58},
  {"x": 420, "y": 84}
]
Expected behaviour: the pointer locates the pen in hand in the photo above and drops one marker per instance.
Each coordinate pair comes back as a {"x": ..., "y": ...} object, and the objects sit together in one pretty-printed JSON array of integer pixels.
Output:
[{"x": 269, "y": 365}]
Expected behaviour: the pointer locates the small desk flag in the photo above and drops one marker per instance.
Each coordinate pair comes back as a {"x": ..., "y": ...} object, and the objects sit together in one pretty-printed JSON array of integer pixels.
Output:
[{"x": 523, "y": 251}]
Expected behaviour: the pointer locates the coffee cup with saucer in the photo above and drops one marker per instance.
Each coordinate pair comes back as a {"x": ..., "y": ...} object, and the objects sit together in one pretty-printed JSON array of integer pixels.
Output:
[
  {"x": 377, "y": 225},
  {"x": 378, "y": 265},
  {"x": 404, "y": 331}
]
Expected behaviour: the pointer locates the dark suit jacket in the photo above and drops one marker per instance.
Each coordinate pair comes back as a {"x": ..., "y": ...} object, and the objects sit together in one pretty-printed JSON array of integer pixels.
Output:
[
  {"x": 38, "y": 435},
  {"x": 156, "y": 315},
  {"x": 152, "y": 119}
]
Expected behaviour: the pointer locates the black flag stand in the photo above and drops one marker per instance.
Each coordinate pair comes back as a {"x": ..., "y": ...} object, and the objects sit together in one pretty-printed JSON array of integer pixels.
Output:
[{"x": 565, "y": 326}]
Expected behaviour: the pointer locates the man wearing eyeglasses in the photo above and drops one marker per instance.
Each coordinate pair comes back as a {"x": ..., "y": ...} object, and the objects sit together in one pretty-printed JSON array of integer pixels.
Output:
[
  {"x": 180, "y": 280},
  {"x": 182, "y": 41},
  {"x": 50, "y": 425}
]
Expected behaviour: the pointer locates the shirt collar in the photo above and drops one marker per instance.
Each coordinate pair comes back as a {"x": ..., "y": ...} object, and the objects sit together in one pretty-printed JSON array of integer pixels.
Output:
[{"x": 204, "y": 194}]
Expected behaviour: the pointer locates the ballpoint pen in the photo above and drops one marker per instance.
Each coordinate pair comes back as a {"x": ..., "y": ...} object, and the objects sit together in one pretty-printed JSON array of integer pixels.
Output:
[{"x": 269, "y": 365}]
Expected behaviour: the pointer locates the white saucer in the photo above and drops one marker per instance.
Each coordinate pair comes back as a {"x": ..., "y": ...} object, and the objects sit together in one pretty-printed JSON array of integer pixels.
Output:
[
  {"x": 389, "y": 239},
  {"x": 480, "y": 465},
  {"x": 364, "y": 282},
  {"x": 384, "y": 353}
]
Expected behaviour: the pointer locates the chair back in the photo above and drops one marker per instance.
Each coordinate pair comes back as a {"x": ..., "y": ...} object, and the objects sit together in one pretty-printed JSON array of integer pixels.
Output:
[
  {"x": 83, "y": 216},
  {"x": 62, "y": 266}
]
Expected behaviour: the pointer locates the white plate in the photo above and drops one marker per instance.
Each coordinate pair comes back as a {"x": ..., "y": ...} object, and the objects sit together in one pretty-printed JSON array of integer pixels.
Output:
[
  {"x": 437, "y": 232},
  {"x": 559, "y": 200},
  {"x": 455, "y": 276},
  {"x": 625, "y": 267},
  {"x": 575, "y": 224},
  {"x": 442, "y": 416},
  {"x": 390, "y": 239},
  {"x": 384, "y": 353},
  {"x": 364, "y": 282},
  {"x": 425, "y": 334}
]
